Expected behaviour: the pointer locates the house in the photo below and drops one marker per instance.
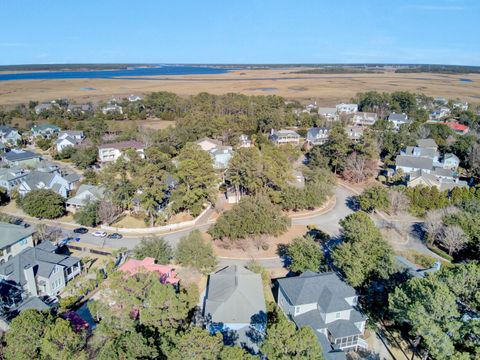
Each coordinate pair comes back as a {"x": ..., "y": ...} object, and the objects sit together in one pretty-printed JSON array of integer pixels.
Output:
[
  {"x": 166, "y": 273},
  {"x": 85, "y": 194},
  {"x": 458, "y": 128},
  {"x": 68, "y": 138},
  {"x": 221, "y": 156},
  {"x": 417, "y": 151},
  {"x": 43, "y": 107},
  {"x": 111, "y": 152},
  {"x": 317, "y": 136},
  {"x": 427, "y": 143},
  {"x": 13, "y": 240},
  {"x": 463, "y": 106},
  {"x": 43, "y": 180},
  {"x": 346, "y": 108},
  {"x": 133, "y": 98},
  {"x": 408, "y": 163},
  {"x": 440, "y": 100},
  {"x": 354, "y": 133},
  {"x": 21, "y": 158},
  {"x": 364, "y": 119},
  {"x": 284, "y": 137},
  {"x": 234, "y": 301},
  {"x": 10, "y": 178},
  {"x": 47, "y": 166},
  {"x": 328, "y": 113},
  {"x": 40, "y": 271},
  {"x": 45, "y": 130},
  {"x": 9, "y": 135},
  {"x": 450, "y": 161},
  {"x": 310, "y": 107},
  {"x": 80, "y": 108},
  {"x": 244, "y": 141},
  {"x": 439, "y": 113},
  {"x": 326, "y": 304},
  {"x": 208, "y": 144},
  {"x": 438, "y": 178},
  {"x": 398, "y": 119},
  {"x": 112, "y": 108}
]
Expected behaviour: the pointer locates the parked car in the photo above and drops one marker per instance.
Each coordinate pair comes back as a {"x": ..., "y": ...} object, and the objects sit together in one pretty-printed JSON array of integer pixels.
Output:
[
  {"x": 80, "y": 230},
  {"x": 99, "y": 233},
  {"x": 115, "y": 236},
  {"x": 49, "y": 300}
]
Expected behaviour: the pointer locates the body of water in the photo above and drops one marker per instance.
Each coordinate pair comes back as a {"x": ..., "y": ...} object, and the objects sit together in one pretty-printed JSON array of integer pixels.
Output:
[
  {"x": 109, "y": 74},
  {"x": 465, "y": 80}
]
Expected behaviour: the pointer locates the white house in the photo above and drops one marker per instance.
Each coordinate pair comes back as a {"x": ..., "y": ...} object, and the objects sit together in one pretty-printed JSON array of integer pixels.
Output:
[
  {"x": 398, "y": 119},
  {"x": 85, "y": 194},
  {"x": 461, "y": 105},
  {"x": 326, "y": 304},
  {"x": 284, "y": 137},
  {"x": 43, "y": 180},
  {"x": 68, "y": 138},
  {"x": 244, "y": 141},
  {"x": 364, "y": 119},
  {"x": 221, "y": 156},
  {"x": 111, "y": 152},
  {"x": 133, "y": 98},
  {"x": 112, "y": 108},
  {"x": 328, "y": 113},
  {"x": 317, "y": 136},
  {"x": 346, "y": 108},
  {"x": 9, "y": 135}
]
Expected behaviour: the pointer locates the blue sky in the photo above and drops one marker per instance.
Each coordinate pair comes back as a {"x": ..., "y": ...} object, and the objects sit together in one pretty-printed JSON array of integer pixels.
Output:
[{"x": 240, "y": 31}]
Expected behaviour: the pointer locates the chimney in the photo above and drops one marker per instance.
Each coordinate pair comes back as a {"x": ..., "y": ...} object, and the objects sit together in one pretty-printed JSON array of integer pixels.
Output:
[{"x": 30, "y": 279}]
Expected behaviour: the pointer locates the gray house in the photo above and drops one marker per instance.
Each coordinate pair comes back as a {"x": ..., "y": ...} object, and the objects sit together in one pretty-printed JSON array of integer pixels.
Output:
[
  {"x": 43, "y": 180},
  {"x": 398, "y": 119},
  {"x": 40, "y": 271},
  {"x": 326, "y": 304},
  {"x": 9, "y": 135},
  {"x": 234, "y": 301},
  {"x": 18, "y": 157},
  {"x": 13, "y": 240},
  {"x": 317, "y": 136},
  {"x": 10, "y": 178}
]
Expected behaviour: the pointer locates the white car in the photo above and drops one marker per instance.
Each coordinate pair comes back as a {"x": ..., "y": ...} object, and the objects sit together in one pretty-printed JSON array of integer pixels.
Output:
[{"x": 99, "y": 233}]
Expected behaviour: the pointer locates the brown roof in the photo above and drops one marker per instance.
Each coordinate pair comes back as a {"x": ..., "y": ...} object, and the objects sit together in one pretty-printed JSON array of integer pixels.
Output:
[{"x": 123, "y": 145}]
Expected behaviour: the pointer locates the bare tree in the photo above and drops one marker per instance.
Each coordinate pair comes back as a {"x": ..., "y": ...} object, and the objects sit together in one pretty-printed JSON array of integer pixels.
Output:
[
  {"x": 398, "y": 202},
  {"x": 108, "y": 212},
  {"x": 453, "y": 238},
  {"x": 46, "y": 233},
  {"x": 433, "y": 225},
  {"x": 358, "y": 168}
]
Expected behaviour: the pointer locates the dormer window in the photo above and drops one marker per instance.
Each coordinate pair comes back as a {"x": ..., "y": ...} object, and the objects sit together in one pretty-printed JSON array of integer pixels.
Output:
[{"x": 337, "y": 315}]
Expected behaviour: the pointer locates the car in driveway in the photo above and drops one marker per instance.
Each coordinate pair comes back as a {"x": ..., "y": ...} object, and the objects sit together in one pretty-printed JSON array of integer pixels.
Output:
[
  {"x": 115, "y": 236},
  {"x": 51, "y": 301},
  {"x": 99, "y": 233},
  {"x": 80, "y": 230}
]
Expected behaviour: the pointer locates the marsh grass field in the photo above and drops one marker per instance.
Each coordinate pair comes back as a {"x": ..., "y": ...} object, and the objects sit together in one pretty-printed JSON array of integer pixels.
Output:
[{"x": 326, "y": 89}]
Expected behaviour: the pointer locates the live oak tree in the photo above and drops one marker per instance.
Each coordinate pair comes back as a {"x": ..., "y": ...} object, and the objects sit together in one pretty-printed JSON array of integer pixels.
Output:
[
  {"x": 196, "y": 343},
  {"x": 154, "y": 247},
  {"x": 192, "y": 250},
  {"x": 364, "y": 255},
  {"x": 305, "y": 254},
  {"x": 88, "y": 215},
  {"x": 60, "y": 341},
  {"x": 43, "y": 203},
  {"x": 196, "y": 180},
  {"x": 283, "y": 341},
  {"x": 374, "y": 198}
]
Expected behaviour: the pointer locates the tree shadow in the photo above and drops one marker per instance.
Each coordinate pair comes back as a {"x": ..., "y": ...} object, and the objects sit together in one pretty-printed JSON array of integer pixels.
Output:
[
  {"x": 282, "y": 252},
  {"x": 352, "y": 203},
  {"x": 418, "y": 231}
]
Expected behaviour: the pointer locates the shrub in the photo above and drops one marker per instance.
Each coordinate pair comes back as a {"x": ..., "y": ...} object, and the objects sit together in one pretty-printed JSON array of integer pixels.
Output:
[
  {"x": 43, "y": 203},
  {"x": 440, "y": 253},
  {"x": 88, "y": 215}
]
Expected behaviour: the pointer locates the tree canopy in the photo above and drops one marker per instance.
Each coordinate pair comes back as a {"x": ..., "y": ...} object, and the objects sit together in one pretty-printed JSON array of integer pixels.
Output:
[{"x": 43, "y": 203}]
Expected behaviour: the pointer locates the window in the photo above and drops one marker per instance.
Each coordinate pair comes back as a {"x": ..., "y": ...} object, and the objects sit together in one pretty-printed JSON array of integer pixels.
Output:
[
  {"x": 8, "y": 249},
  {"x": 337, "y": 315},
  {"x": 23, "y": 242},
  {"x": 297, "y": 309}
]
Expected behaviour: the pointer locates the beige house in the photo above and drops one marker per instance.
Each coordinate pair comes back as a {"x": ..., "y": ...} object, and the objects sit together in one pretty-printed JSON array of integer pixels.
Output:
[{"x": 113, "y": 151}]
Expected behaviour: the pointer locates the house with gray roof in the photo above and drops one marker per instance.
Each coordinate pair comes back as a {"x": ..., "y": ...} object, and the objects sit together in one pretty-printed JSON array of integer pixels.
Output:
[
  {"x": 40, "y": 270},
  {"x": 410, "y": 163},
  {"x": 9, "y": 135},
  {"x": 326, "y": 304},
  {"x": 13, "y": 240},
  {"x": 328, "y": 113},
  {"x": 442, "y": 179},
  {"x": 43, "y": 107},
  {"x": 68, "y": 138},
  {"x": 45, "y": 130},
  {"x": 317, "y": 136},
  {"x": 85, "y": 194},
  {"x": 234, "y": 301},
  {"x": 10, "y": 178},
  {"x": 284, "y": 137},
  {"x": 79, "y": 108},
  {"x": 21, "y": 158},
  {"x": 427, "y": 143},
  {"x": 398, "y": 119},
  {"x": 43, "y": 180}
]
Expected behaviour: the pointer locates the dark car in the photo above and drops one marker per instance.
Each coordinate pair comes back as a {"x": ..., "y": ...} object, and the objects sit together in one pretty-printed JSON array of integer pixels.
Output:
[
  {"x": 115, "y": 236},
  {"x": 80, "y": 230}
]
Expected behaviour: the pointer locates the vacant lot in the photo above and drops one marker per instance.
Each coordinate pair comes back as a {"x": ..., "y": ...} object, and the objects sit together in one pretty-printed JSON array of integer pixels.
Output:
[{"x": 327, "y": 89}]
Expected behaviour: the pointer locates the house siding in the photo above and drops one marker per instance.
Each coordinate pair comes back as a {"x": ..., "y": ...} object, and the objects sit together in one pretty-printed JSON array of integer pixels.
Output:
[{"x": 15, "y": 248}]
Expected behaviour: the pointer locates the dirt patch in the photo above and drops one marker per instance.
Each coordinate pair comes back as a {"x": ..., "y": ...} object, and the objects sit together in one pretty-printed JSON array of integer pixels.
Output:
[
  {"x": 250, "y": 251},
  {"x": 180, "y": 217}
]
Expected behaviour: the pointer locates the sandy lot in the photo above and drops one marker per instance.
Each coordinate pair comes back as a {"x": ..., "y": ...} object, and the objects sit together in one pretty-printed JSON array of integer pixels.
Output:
[{"x": 327, "y": 89}]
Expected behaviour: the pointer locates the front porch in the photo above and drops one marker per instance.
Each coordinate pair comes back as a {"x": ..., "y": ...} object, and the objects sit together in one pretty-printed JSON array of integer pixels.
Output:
[{"x": 73, "y": 271}]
